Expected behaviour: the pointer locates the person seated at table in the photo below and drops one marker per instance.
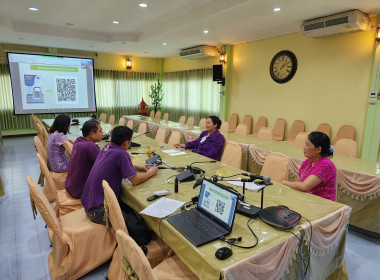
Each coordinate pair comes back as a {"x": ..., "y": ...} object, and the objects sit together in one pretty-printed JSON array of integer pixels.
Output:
[
  {"x": 210, "y": 143},
  {"x": 83, "y": 157},
  {"x": 113, "y": 164},
  {"x": 56, "y": 153},
  {"x": 317, "y": 174}
]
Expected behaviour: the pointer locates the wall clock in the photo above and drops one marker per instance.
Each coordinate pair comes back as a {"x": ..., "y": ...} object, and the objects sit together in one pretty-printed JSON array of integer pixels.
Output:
[{"x": 283, "y": 67}]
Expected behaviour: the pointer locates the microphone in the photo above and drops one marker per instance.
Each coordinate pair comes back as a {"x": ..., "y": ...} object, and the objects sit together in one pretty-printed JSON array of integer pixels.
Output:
[
  {"x": 140, "y": 135},
  {"x": 266, "y": 179},
  {"x": 198, "y": 182},
  {"x": 188, "y": 174},
  {"x": 176, "y": 185}
]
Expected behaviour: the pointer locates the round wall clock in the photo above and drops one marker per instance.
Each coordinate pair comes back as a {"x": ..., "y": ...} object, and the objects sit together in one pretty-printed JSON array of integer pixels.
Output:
[{"x": 283, "y": 67}]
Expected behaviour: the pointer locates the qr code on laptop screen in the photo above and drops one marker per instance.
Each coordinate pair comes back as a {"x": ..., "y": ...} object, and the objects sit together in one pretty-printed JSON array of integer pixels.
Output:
[
  {"x": 66, "y": 89},
  {"x": 219, "y": 207}
]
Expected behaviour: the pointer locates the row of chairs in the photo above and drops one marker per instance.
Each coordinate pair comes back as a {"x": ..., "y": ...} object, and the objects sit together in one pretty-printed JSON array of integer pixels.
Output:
[{"x": 181, "y": 120}]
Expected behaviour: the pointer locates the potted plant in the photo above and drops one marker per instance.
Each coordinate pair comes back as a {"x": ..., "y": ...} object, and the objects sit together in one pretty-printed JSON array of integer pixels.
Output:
[{"x": 156, "y": 95}]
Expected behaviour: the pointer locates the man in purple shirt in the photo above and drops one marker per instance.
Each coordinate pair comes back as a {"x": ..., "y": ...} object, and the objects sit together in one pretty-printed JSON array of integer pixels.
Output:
[
  {"x": 113, "y": 165},
  {"x": 83, "y": 157}
]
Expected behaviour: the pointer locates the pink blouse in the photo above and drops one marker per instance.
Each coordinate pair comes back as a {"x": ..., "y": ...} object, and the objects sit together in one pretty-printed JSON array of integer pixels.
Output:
[{"x": 325, "y": 169}]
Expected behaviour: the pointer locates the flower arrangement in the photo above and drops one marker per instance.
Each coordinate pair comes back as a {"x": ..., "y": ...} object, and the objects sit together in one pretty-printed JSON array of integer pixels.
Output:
[
  {"x": 150, "y": 150},
  {"x": 156, "y": 95}
]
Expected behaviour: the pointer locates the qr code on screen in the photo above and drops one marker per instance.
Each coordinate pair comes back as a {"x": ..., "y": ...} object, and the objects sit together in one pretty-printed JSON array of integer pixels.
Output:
[
  {"x": 66, "y": 89},
  {"x": 219, "y": 207}
]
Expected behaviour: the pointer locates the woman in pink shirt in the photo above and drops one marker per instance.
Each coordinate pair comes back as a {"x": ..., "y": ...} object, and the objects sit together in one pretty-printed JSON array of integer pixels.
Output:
[{"x": 317, "y": 174}]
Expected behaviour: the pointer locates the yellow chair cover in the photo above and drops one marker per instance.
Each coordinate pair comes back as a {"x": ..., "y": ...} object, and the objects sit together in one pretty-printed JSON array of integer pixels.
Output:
[
  {"x": 279, "y": 130},
  {"x": 158, "y": 115},
  {"x": 261, "y": 122},
  {"x": 297, "y": 127},
  {"x": 301, "y": 139},
  {"x": 241, "y": 130},
  {"x": 151, "y": 114},
  {"x": 175, "y": 137},
  {"x": 276, "y": 166},
  {"x": 190, "y": 121},
  {"x": 130, "y": 124},
  {"x": 161, "y": 135},
  {"x": 345, "y": 131},
  {"x": 42, "y": 151},
  {"x": 182, "y": 120},
  {"x": 142, "y": 128},
  {"x": 166, "y": 117},
  {"x": 111, "y": 120},
  {"x": 202, "y": 123},
  {"x": 103, "y": 117},
  {"x": 346, "y": 147},
  {"x": 68, "y": 147},
  {"x": 247, "y": 120},
  {"x": 224, "y": 128},
  {"x": 121, "y": 121},
  {"x": 233, "y": 122},
  {"x": 265, "y": 133},
  {"x": 325, "y": 128},
  {"x": 232, "y": 155}
]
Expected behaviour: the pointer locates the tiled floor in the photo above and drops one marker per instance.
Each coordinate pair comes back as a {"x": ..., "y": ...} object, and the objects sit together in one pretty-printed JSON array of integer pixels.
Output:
[{"x": 24, "y": 243}]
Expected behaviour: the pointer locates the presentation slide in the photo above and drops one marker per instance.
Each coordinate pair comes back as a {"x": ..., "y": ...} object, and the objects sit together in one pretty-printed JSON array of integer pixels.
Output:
[{"x": 51, "y": 84}]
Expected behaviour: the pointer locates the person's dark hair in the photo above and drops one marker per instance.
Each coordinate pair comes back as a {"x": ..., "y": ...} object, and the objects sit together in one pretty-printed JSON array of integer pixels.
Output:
[
  {"x": 120, "y": 134},
  {"x": 90, "y": 126},
  {"x": 215, "y": 120},
  {"x": 60, "y": 124},
  {"x": 319, "y": 139}
]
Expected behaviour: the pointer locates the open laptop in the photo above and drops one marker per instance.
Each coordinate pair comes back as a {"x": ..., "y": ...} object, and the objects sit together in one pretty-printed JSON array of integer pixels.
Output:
[{"x": 212, "y": 218}]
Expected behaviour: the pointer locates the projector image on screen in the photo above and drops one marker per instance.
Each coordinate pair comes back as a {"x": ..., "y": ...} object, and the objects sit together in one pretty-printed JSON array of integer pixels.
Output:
[{"x": 33, "y": 89}]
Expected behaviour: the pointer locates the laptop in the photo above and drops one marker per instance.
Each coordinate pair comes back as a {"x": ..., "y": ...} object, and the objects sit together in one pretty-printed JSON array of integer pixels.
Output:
[{"x": 212, "y": 218}]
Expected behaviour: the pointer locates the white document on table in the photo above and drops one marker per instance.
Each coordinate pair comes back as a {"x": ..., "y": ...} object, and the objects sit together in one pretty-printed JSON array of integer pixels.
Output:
[
  {"x": 249, "y": 186},
  {"x": 174, "y": 152},
  {"x": 162, "y": 207}
]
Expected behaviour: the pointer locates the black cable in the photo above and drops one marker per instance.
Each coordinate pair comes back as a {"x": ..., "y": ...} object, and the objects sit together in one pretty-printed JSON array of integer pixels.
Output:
[
  {"x": 167, "y": 180},
  {"x": 311, "y": 235},
  {"x": 299, "y": 246},
  {"x": 243, "y": 247}
]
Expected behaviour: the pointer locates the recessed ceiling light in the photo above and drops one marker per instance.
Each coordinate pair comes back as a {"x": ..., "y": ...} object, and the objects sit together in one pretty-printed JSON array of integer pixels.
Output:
[
  {"x": 143, "y": 5},
  {"x": 91, "y": 46},
  {"x": 164, "y": 44},
  {"x": 115, "y": 22},
  {"x": 276, "y": 9},
  {"x": 21, "y": 38},
  {"x": 145, "y": 52},
  {"x": 33, "y": 9},
  {"x": 69, "y": 24},
  {"x": 205, "y": 31}
]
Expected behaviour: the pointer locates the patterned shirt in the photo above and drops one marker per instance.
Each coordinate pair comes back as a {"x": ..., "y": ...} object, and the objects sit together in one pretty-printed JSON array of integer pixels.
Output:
[
  {"x": 209, "y": 146},
  {"x": 56, "y": 154},
  {"x": 325, "y": 169}
]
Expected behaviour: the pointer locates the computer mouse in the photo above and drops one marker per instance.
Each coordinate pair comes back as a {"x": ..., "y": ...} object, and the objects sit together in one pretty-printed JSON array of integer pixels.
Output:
[{"x": 223, "y": 253}]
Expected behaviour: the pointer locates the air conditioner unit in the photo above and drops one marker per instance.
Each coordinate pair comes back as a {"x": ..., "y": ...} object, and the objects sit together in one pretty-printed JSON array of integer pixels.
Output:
[
  {"x": 198, "y": 52},
  {"x": 348, "y": 22}
]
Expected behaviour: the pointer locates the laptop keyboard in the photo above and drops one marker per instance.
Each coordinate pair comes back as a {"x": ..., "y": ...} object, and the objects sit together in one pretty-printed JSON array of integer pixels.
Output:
[{"x": 203, "y": 223}]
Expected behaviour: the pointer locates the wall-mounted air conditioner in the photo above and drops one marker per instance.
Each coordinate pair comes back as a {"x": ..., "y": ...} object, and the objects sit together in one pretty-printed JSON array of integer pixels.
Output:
[
  {"x": 198, "y": 52},
  {"x": 348, "y": 22}
]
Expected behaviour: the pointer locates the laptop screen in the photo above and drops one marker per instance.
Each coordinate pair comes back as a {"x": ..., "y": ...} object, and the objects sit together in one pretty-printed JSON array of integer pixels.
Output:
[{"x": 218, "y": 202}]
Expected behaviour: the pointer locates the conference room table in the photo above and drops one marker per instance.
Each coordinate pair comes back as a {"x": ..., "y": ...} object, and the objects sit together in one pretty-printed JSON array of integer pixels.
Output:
[{"x": 277, "y": 254}]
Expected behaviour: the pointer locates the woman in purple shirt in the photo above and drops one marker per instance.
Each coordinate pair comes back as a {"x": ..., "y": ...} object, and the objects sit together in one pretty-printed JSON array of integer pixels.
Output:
[
  {"x": 210, "y": 143},
  {"x": 317, "y": 174}
]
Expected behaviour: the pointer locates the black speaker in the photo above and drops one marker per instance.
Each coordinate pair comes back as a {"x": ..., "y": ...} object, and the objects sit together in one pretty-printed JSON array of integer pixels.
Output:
[{"x": 217, "y": 72}]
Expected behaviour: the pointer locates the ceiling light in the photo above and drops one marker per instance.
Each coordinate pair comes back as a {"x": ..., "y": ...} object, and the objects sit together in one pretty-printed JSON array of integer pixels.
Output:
[
  {"x": 33, "y": 9},
  {"x": 69, "y": 24},
  {"x": 276, "y": 9},
  {"x": 205, "y": 31},
  {"x": 115, "y": 22},
  {"x": 91, "y": 46},
  {"x": 164, "y": 44},
  {"x": 143, "y": 5}
]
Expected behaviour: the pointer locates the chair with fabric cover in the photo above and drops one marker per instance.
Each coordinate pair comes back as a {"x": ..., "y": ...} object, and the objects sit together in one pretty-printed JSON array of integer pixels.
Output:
[
  {"x": 43, "y": 153},
  {"x": 79, "y": 245},
  {"x": 134, "y": 262},
  {"x": 190, "y": 121},
  {"x": 182, "y": 120},
  {"x": 151, "y": 114},
  {"x": 68, "y": 147},
  {"x": 232, "y": 155},
  {"x": 63, "y": 203},
  {"x": 345, "y": 131},
  {"x": 175, "y": 137},
  {"x": 121, "y": 121},
  {"x": 232, "y": 123},
  {"x": 161, "y": 135},
  {"x": 325, "y": 128},
  {"x": 166, "y": 117},
  {"x": 42, "y": 134},
  {"x": 241, "y": 130},
  {"x": 142, "y": 128},
  {"x": 378, "y": 159},
  {"x": 276, "y": 166},
  {"x": 265, "y": 133},
  {"x": 158, "y": 115},
  {"x": 247, "y": 120},
  {"x": 346, "y": 147},
  {"x": 261, "y": 122},
  {"x": 111, "y": 120},
  {"x": 130, "y": 124},
  {"x": 297, "y": 127},
  {"x": 156, "y": 251},
  {"x": 279, "y": 130},
  {"x": 224, "y": 128},
  {"x": 202, "y": 123},
  {"x": 103, "y": 117},
  {"x": 301, "y": 139}
]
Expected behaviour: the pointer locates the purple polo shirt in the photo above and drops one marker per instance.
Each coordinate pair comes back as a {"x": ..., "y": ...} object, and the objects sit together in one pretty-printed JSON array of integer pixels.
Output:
[
  {"x": 81, "y": 161},
  {"x": 56, "y": 154},
  {"x": 211, "y": 147},
  {"x": 113, "y": 164}
]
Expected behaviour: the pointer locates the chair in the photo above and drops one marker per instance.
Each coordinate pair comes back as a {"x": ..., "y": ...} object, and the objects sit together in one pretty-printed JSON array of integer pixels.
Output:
[
  {"x": 42, "y": 134},
  {"x": 151, "y": 114},
  {"x": 378, "y": 159},
  {"x": 142, "y": 128},
  {"x": 190, "y": 121},
  {"x": 122, "y": 121},
  {"x": 241, "y": 130},
  {"x": 279, "y": 130},
  {"x": 155, "y": 254},
  {"x": 175, "y": 137},
  {"x": 345, "y": 131},
  {"x": 135, "y": 260},
  {"x": 261, "y": 122},
  {"x": 158, "y": 115},
  {"x": 301, "y": 139},
  {"x": 202, "y": 123},
  {"x": 79, "y": 245},
  {"x": 247, "y": 120},
  {"x": 111, "y": 120},
  {"x": 161, "y": 135},
  {"x": 63, "y": 203},
  {"x": 346, "y": 147},
  {"x": 68, "y": 147},
  {"x": 166, "y": 117},
  {"x": 182, "y": 120},
  {"x": 103, "y": 117},
  {"x": 41, "y": 150},
  {"x": 233, "y": 122},
  {"x": 297, "y": 127},
  {"x": 276, "y": 166},
  {"x": 325, "y": 128},
  {"x": 232, "y": 155},
  {"x": 130, "y": 124},
  {"x": 224, "y": 128},
  {"x": 265, "y": 133}
]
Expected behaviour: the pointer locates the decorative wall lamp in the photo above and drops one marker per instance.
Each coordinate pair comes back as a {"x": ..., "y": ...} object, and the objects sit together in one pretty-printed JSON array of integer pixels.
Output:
[
  {"x": 377, "y": 39},
  {"x": 129, "y": 63},
  {"x": 222, "y": 58}
]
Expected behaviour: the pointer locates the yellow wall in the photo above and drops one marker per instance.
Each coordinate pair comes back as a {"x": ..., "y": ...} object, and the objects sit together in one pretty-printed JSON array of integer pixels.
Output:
[
  {"x": 176, "y": 63},
  {"x": 331, "y": 84}
]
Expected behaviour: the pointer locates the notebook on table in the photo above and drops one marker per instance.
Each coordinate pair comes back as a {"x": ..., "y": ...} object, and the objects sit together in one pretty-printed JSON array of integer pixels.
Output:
[{"x": 212, "y": 218}]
